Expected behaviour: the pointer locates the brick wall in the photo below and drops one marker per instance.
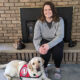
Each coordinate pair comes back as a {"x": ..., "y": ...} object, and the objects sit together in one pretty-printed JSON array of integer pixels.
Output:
[{"x": 10, "y": 24}]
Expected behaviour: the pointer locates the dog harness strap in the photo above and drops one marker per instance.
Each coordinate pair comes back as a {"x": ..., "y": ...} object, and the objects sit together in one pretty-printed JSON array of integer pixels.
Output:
[{"x": 20, "y": 78}]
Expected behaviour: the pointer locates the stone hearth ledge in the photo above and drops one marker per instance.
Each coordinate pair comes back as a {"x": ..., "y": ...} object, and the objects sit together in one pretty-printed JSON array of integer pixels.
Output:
[{"x": 8, "y": 48}]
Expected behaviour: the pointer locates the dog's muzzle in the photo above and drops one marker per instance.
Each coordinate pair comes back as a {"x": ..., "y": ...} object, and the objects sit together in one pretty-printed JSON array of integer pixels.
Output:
[{"x": 38, "y": 69}]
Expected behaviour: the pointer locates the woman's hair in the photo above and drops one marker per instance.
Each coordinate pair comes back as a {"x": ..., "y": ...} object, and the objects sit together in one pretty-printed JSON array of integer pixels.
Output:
[{"x": 54, "y": 12}]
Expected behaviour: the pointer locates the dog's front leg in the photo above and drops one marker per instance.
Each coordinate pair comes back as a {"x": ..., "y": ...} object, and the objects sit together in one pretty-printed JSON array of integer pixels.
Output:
[
  {"x": 7, "y": 76},
  {"x": 45, "y": 77}
]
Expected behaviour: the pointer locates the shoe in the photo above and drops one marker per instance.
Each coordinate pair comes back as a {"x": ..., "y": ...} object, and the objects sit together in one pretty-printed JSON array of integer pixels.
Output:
[
  {"x": 57, "y": 74},
  {"x": 46, "y": 72}
]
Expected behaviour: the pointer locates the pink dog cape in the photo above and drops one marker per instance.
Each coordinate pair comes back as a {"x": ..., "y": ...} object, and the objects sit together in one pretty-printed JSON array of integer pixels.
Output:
[{"x": 24, "y": 72}]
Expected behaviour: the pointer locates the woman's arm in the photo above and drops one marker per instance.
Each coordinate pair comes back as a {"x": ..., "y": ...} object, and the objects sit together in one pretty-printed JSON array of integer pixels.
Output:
[
  {"x": 37, "y": 36},
  {"x": 59, "y": 35}
]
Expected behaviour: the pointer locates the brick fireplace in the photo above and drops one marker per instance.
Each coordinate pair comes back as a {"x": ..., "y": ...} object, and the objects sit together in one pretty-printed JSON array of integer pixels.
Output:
[
  {"x": 10, "y": 21},
  {"x": 30, "y": 15}
]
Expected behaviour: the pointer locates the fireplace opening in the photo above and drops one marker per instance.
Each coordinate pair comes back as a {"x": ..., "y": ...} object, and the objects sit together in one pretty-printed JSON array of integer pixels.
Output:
[
  {"x": 30, "y": 30},
  {"x": 30, "y": 15}
]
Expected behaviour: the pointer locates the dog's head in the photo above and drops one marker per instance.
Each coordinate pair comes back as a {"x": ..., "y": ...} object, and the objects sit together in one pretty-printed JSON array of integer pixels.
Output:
[{"x": 36, "y": 64}]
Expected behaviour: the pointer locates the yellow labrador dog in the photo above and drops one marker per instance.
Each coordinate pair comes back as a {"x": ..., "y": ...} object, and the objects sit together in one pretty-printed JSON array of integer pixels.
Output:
[{"x": 26, "y": 71}]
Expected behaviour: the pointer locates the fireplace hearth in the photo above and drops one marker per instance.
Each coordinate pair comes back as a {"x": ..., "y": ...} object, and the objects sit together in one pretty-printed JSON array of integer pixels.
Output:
[{"x": 30, "y": 15}]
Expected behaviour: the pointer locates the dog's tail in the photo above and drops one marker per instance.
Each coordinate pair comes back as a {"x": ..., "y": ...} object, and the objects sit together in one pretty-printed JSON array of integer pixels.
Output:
[{"x": 3, "y": 66}]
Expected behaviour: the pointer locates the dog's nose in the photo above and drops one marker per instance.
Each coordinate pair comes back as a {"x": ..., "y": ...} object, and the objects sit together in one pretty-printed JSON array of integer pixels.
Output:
[{"x": 38, "y": 69}]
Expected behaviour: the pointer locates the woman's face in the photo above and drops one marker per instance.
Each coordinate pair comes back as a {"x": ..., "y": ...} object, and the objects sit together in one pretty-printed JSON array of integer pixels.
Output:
[{"x": 47, "y": 11}]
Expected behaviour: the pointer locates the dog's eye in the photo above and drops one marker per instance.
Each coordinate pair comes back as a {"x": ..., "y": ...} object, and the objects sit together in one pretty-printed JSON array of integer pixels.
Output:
[
  {"x": 38, "y": 61},
  {"x": 33, "y": 63}
]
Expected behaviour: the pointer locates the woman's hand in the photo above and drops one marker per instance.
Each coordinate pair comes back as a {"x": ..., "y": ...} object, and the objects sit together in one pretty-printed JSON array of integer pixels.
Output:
[
  {"x": 46, "y": 46},
  {"x": 44, "y": 49}
]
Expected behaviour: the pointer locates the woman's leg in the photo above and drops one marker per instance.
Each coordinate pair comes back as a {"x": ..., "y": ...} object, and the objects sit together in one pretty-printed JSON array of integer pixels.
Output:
[
  {"x": 46, "y": 57},
  {"x": 57, "y": 54}
]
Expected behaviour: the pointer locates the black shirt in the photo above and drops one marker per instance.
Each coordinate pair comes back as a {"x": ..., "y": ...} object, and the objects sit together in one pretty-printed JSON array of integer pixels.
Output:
[{"x": 49, "y": 24}]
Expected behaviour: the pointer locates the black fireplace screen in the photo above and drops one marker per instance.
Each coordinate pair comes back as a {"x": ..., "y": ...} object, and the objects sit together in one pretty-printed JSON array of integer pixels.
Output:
[
  {"x": 30, "y": 29},
  {"x": 30, "y": 15}
]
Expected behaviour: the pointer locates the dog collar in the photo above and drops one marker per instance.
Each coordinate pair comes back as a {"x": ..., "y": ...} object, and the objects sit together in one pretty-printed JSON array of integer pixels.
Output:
[{"x": 24, "y": 72}]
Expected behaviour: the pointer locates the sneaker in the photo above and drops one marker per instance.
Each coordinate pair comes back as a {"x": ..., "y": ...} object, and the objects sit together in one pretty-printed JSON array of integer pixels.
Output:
[
  {"x": 46, "y": 72},
  {"x": 57, "y": 74}
]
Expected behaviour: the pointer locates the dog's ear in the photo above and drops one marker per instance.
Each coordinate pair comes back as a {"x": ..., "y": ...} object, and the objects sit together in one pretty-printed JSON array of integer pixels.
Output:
[
  {"x": 30, "y": 66},
  {"x": 42, "y": 60}
]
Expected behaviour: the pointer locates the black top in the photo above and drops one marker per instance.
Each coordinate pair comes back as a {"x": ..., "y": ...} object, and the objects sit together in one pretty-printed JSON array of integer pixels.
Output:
[{"x": 49, "y": 24}]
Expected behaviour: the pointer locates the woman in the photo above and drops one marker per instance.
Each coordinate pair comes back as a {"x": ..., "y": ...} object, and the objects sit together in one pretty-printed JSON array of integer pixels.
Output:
[{"x": 48, "y": 36}]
